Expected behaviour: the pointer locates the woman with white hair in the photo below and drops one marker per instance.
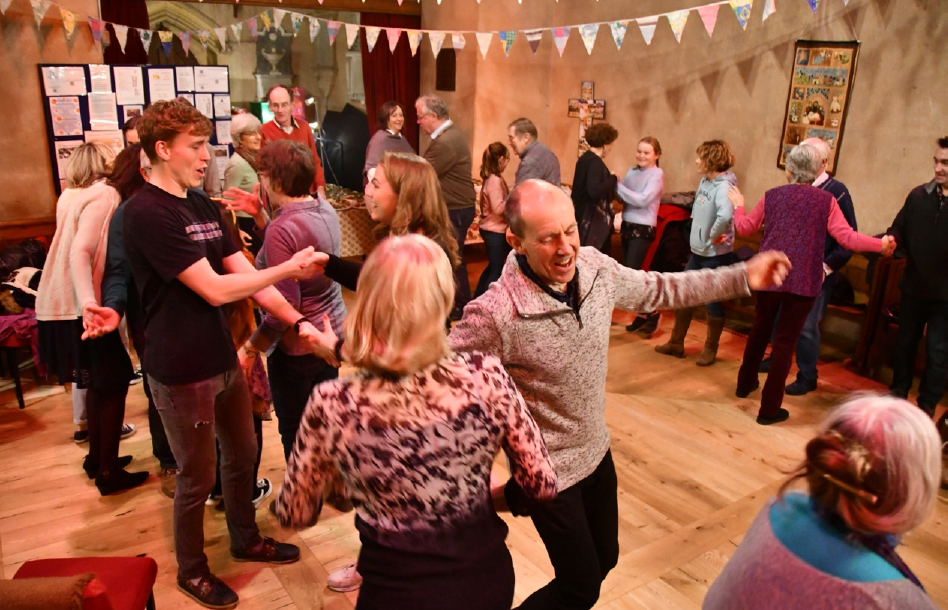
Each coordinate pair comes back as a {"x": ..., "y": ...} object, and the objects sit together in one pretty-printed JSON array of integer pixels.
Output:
[
  {"x": 872, "y": 474},
  {"x": 413, "y": 435},
  {"x": 241, "y": 169},
  {"x": 798, "y": 217}
]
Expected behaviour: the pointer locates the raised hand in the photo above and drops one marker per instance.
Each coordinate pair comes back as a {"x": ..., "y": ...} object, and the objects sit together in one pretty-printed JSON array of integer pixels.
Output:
[
  {"x": 98, "y": 321},
  {"x": 239, "y": 200},
  {"x": 767, "y": 270},
  {"x": 736, "y": 197},
  {"x": 321, "y": 342},
  {"x": 888, "y": 245}
]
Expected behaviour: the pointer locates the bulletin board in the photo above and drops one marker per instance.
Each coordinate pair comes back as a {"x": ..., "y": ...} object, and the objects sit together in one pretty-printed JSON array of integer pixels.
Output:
[{"x": 86, "y": 102}]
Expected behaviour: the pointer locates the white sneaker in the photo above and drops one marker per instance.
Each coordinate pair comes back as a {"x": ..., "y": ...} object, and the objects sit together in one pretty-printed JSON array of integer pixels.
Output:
[
  {"x": 345, "y": 579},
  {"x": 262, "y": 491}
]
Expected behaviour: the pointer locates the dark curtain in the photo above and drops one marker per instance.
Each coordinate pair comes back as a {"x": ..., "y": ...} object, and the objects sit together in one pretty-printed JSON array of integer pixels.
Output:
[
  {"x": 392, "y": 76},
  {"x": 134, "y": 14}
]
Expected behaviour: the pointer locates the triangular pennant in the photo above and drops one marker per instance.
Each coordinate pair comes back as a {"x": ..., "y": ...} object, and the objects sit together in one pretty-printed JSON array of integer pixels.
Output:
[
  {"x": 437, "y": 41},
  {"x": 204, "y": 37},
  {"x": 458, "y": 41},
  {"x": 677, "y": 21},
  {"x": 166, "y": 38},
  {"x": 69, "y": 23},
  {"x": 296, "y": 20},
  {"x": 4, "y": 5},
  {"x": 313, "y": 28},
  {"x": 393, "y": 35},
  {"x": 709, "y": 17},
  {"x": 97, "y": 26},
  {"x": 236, "y": 29},
  {"x": 618, "y": 29},
  {"x": 145, "y": 36},
  {"x": 252, "y": 26},
  {"x": 278, "y": 15},
  {"x": 400, "y": 2},
  {"x": 267, "y": 18},
  {"x": 506, "y": 40},
  {"x": 483, "y": 41},
  {"x": 814, "y": 4},
  {"x": 560, "y": 36},
  {"x": 222, "y": 35},
  {"x": 647, "y": 27},
  {"x": 333, "y": 28},
  {"x": 414, "y": 39},
  {"x": 533, "y": 39},
  {"x": 588, "y": 33},
  {"x": 121, "y": 32},
  {"x": 185, "y": 42},
  {"x": 39, "y": 10},
  {"x": 770, "y": 8},
  {"x": 372, "y": 36},
  {"x": 352, "y": 30},
  {"x": 742, "y": 10}
]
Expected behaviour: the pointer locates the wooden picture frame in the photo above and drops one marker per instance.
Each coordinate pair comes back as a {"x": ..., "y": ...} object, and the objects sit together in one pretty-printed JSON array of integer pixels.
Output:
[{"x": 821, "y": 83}]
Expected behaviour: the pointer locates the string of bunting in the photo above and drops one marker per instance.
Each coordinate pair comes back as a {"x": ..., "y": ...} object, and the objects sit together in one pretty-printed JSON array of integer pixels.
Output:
[{"x": 276, "y": 18}]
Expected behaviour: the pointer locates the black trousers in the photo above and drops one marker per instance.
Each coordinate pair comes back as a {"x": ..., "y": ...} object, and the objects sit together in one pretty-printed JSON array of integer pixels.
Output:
[
  {"x": 462, "y": 220},
  {"x": 580, "y": 529}
]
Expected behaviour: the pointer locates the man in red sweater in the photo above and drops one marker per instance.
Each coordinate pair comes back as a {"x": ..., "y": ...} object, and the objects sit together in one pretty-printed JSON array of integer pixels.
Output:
[{"x": 285, "y": 127}]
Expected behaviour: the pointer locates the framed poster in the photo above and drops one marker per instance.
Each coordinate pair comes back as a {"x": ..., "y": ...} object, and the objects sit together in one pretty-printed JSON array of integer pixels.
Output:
[{"x": 821, "y": 83}]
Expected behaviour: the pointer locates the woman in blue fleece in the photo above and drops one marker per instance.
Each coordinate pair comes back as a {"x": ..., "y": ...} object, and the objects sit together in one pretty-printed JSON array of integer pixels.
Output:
[{"x": 712, "y": 239}]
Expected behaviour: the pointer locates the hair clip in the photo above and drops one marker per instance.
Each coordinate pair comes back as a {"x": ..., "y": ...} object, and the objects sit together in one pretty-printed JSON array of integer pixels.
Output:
[{"x": 872, "y": 499}]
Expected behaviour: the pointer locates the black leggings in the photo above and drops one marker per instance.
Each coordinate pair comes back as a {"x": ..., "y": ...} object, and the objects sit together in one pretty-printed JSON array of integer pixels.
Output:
[{"x": 105, "y": 409}]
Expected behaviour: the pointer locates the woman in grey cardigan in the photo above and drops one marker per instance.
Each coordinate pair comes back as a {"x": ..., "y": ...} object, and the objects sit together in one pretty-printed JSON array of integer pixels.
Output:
[{"x": 391, "y": 119}]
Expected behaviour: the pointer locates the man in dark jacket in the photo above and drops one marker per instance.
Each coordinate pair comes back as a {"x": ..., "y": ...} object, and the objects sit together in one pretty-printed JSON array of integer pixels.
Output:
[{"x": 920, "y": 232}]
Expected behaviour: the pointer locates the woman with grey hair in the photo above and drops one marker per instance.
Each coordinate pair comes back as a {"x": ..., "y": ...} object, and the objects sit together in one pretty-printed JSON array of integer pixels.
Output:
[
  {"x": 241, "y": 169},
  {"x": 798, "y": 215},
  {"x": 872, "y": 474}
]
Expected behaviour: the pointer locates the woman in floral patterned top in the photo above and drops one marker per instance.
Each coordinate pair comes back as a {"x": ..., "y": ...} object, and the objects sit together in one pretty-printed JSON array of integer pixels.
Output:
[{"x": 413, "y": 436}]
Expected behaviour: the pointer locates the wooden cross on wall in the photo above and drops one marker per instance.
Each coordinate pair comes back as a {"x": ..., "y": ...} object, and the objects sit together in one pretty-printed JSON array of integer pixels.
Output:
[{"x": 586, "y": 108}]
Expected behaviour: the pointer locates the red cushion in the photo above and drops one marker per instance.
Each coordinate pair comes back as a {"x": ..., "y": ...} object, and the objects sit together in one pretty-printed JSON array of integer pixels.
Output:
[{"x": 129, "y": 580}]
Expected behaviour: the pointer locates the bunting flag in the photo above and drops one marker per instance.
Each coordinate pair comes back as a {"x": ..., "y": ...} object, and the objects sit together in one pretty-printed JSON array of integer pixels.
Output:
[
  {"x": 770, "y": 8},
  {"x": 204, "y": 37},
  {"x": 437, "y": 41},
  {"x": 352, "y": 30},
  {"x": 560, "y": 36},
  {"x": 709, "y": 17},
  {"x": 69, "y": 23},
  {"x": 222, "y": 36},
  {"x": 533, "y": 39},
  {"x": 236, "y": 29},
  {"x": 372, "y": 36},
  {"x": 393, "y": 35},
  {"x": 588, "y": 33},
  {"x": 742, "y": 9},
  {"x": 97, "y": 26},
  {"x": 252, "y": 25},
  {"x": 333, "y": 28},
  {"x": 121, "y": 32},
  {"x": 814, "y": 4},
  {"x": 414, "y": 39},
  {"x": 296, "y": 20},
  {"x": 618, "y": 29},
  {"x": 267, "y": 18},
  {"x": 313, "y": 28},
  {"x": 677, "y": 21},
  {"x": 39, "y": 10},
  {"x": 4, "y": 5},
  {"x": 185, "y": 42},
  {"x": 166, "y": 38},
  {"x": 506, "y": 40},
  {"x": 483, "y": 41},
  {"x": 647, "y": 27},
  {"x": 458, "y": 41},
  {"x": 278, "y": 15},
  {"x": 145, "y": 36}
]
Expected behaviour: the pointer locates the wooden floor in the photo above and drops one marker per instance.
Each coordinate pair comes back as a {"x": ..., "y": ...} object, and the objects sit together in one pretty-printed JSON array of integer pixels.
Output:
[{"x": 693, "y": 467}]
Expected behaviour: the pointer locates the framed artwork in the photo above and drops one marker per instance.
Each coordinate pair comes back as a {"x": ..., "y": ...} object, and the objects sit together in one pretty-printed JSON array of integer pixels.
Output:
[{"x": 821, "y": 83}]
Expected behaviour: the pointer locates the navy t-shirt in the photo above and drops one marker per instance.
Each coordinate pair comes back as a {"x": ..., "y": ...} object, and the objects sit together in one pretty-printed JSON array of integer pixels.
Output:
[{"x": 186, "y": 338}]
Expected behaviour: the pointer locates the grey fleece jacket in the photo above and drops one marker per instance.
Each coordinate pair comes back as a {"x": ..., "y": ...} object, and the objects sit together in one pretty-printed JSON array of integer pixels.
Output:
[
  {"x": 557, "y": 357},
  {"x": 713, "y": 216}
]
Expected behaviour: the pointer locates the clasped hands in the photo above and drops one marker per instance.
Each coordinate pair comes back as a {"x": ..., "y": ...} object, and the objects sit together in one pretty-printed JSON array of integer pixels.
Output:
[{"x": 306, "y": 263}]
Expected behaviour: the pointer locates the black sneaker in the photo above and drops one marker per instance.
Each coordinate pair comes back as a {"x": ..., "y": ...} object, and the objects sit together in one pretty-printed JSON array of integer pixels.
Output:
[
  {"x": 270, "y": 551},
  {"x": 782, "y": 415},
  {"x": 80, "y": 436},
  {"x": 764, "y": 365},
  {"x": 800, "y": 387},
  {"x": 210, "y": 592}
]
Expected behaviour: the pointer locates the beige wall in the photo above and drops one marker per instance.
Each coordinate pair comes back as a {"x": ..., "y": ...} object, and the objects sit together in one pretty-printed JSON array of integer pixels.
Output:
[
  {"x": 27, "y": 185},
  {"x": 732, "y": 87}
]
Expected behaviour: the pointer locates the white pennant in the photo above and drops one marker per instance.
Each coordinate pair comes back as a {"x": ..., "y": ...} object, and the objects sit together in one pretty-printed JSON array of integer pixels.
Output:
[
  {"x": 458, "y": 41},
  {"x": 437, "y": 41},
  {"x": 647, "y": 27},
  {"x": 4, "y": 5},
  {"x": 39, "y": 10},
  {"x": 393, "y": 35},
  {"x": 121, "y": 32},
  {"x": 236, "y": 28},
  {"x": 222, "y": 36},
  {"x": 414, "y": 39},
  {"x": 770, "y": 8},
  {"x": 352, "y": 30},
  {"x": 372, "y": 36},
  {"x": 483, "y": 41},
  {"x": 313, "y": 28},
  {"x": 588, "y": 33},
  {"x": 278, "y": 15}
]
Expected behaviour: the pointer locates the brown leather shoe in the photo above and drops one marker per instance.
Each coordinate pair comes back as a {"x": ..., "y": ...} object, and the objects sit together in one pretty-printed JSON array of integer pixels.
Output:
[
  {"x": 270, "y": 551},
  {"x": 210, "y": 592}
]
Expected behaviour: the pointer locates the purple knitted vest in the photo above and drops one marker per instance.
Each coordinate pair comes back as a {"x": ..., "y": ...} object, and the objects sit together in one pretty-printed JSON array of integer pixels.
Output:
[{"x": 795, "y": 218}]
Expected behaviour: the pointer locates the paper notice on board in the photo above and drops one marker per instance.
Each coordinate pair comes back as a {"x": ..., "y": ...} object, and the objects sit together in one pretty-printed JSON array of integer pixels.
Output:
[
  {"x": 223, "y": 132},
  {"x": 187, "y": 96},
  {"x": 129, "y": 86},
  {"x": 220, "y": 157},
  {"x": 184, "y": 77},
  {"x": 65, "y": 114},
  {"x": 65, "y": 80},
  {"x": 114, "y": 138},
  {"x": 103, "y": 115},
  {"x": 222, "y": 106},
  {"x": 64, "y": 150},
  {"x": 211, "y": 79},
  {"x": 204, "y": 102},
  {"x": 129, "y": 112},
  {"x": 100, "y": 79},
  {"x": 160, "y": 84}
]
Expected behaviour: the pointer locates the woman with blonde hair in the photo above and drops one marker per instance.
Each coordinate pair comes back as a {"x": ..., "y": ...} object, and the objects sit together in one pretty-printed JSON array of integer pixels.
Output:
[
  {"x": 69, "y": 289},
  {"x": 872, "y": 474},
  {"x": 413, "y": 435}
]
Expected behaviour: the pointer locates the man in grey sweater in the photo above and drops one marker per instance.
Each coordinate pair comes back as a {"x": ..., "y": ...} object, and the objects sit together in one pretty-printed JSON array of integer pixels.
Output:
[{"x": 548, "y": 320}]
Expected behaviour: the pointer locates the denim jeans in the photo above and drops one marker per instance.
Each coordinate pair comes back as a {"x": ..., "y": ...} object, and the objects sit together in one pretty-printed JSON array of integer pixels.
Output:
[
  {"x": 193, "y": 414},
  {"x": 461, "y": 219},
  {"x": 497, "y": 251},
  {"x": 914, "y": 314},
  {"x": 715, "y": 310},
  {"x": 292, "y": 379}
]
